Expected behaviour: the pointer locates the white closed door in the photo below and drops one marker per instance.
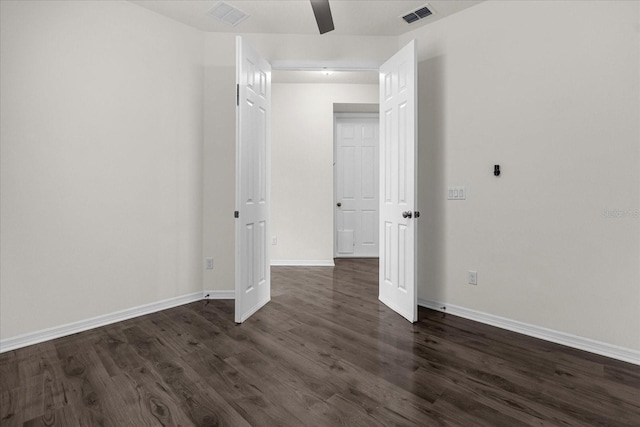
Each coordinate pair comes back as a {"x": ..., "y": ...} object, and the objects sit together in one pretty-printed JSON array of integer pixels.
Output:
[
  {"x": 357, "y": 191},
  {"x": 253, "y": 118},
  {"x": 398, "y": 137}
]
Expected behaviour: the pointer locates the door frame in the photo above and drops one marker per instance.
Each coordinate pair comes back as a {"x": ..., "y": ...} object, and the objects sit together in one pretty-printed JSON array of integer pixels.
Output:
[
  {"x": 378, "y": 69},
  {"x": 337, "y": 116}
]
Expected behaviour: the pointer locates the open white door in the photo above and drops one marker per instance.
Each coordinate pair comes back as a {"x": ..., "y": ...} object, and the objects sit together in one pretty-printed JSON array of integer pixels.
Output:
[
  {"x": 398, "y": 137},
  {"x": 253, "y": 137}
]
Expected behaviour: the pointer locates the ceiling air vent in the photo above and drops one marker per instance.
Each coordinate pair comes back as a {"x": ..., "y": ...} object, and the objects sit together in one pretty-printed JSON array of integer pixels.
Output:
[
  {"x": 227, "y": 13},
  {"x": 418, "y": 14}
]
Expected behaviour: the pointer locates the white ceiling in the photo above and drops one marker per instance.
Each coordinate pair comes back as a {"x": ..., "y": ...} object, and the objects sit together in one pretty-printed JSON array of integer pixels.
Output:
[{"x": 351, "y": 17}]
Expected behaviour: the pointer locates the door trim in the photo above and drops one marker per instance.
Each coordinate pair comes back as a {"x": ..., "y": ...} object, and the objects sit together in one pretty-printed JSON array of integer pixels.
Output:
[{"x": 337, "y": 116}]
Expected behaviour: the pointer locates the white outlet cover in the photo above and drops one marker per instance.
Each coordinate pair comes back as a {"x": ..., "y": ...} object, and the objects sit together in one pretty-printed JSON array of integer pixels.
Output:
[{"x": 473, "y": 277}]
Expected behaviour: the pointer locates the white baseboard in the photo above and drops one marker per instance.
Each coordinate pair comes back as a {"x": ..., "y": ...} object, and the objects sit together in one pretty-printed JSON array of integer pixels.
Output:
[
  {"x": 574, "y": 341},
  {"x": 219, "y": 294},
  {"x": 569, "y": 340},
  {"x": 84, "y": 325},
  {"x": 302, "y": 263}
]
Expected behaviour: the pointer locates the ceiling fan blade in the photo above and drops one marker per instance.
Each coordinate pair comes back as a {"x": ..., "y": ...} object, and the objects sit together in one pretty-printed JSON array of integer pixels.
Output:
[{"x": 322, "y": 11}]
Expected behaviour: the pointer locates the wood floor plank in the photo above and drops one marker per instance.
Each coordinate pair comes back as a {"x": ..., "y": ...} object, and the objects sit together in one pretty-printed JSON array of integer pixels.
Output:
[
  {"x": 323, "y": 352},
  {"x": 64, "y": 416},
  {"x": 204, "y": 333},
  {"x": 203, "y": 406},
  {"x": 599, "y": 397},
  {"x": 87, "y": 386},
  {"x": 371, "y": 390},
  {"x": 250, "y": 396},
  {"x": 10, "y": 414},
  {"x": 42, "y": 392},
  {"x": 9, "y": 370},
  {"x": 115, "y": 353}
]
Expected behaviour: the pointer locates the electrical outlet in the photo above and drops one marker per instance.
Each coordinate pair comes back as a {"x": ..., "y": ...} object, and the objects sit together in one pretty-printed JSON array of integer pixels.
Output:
[
  {"x": 274, "y": 240},
  {"x": 473, "y": 277},
  {"x": 209, "y": 263}
]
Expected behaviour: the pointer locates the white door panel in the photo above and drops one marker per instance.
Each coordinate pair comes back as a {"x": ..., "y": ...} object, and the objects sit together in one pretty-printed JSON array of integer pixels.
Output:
[
  {"x": 253, "y": 284},
  {"x": 398, "y": 137},
  {"x": 357, "y": 181}
]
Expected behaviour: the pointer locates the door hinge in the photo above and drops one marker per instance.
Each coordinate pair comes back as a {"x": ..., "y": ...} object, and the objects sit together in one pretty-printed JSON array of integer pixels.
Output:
[
  {"x": 237, "y": 95},
  {"x": 236, "y": 214}
]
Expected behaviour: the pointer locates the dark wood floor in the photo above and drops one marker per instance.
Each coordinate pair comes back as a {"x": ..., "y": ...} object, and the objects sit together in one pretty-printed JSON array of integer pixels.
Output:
[{"x": 323, "y": 352}]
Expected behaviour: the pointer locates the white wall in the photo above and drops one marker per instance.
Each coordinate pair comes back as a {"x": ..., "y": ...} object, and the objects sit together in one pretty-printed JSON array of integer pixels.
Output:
[
  {"x": 550, "y": 91},
  {"x": 302, "y": 166},
  {"x": 219, "y": 134},
  {"x": 101, "y": 173},
  {"x": 218, "y": 236}
]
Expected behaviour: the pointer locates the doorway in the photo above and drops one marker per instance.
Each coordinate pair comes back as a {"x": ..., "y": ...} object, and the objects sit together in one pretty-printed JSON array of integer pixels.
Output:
[
  {"x": 303, "y": 157},
  {"x": 397, "y": 96},
  {"x": 356, "y": 182}
]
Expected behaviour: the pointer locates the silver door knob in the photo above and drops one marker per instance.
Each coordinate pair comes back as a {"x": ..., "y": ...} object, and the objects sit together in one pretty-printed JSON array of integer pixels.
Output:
[{"x": 406, "y": 214}]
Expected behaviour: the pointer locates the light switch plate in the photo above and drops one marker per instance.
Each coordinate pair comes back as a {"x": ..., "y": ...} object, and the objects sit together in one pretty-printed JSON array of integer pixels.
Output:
[{"x": 457, "y": 193}]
